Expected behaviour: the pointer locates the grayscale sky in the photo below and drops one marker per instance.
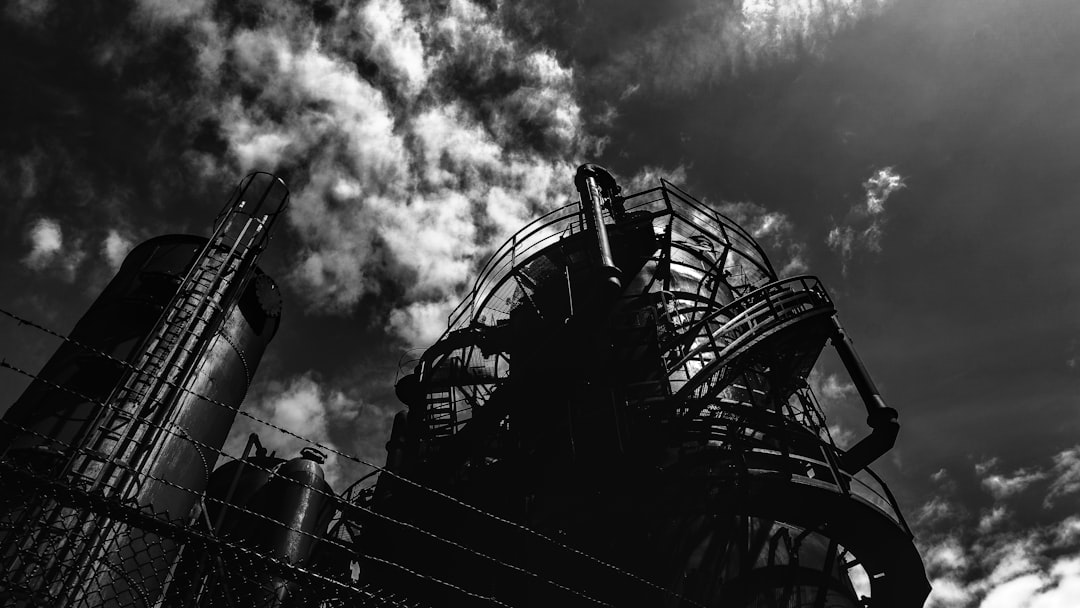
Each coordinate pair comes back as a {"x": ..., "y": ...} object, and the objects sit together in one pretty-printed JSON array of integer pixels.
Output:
[{"x": 921, "y": 156}]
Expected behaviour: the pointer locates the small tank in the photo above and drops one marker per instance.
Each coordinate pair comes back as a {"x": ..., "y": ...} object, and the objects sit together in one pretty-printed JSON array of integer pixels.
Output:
[{"x": 268, "y": 506}]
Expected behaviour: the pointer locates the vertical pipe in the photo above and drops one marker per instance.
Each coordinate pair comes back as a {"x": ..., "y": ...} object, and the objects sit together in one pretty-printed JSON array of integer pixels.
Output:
[
  {"x": 876, "y": 410},
  {"x": 882, "y": 419},
  {"x": 588, "y": 182}
]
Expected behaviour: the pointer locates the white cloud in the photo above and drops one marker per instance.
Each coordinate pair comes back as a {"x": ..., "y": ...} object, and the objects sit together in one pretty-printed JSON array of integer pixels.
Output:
[
  {"x": 864, "y": 226},
  {"x": 1068, "y": 531},
  {"x": 1063, "y": 476},
  {"x": 832, "y": 394},
  {"x": 1036, "y": 568},
  {"x": 410, "y": 174},
  {"x": 831, "y": 390},
  {"x": 29, "y": 12},
  {"x": 842, "y": 436},
  {"x": 1061, "y": 589},
  {"x": 115, "y": 247},
  {"x": 1003, "y": 486},
  {"x": 777, "y": 29},
  {"x": 394, "y": 42},
  {"x": 936, "y": 510},
  {"x": 699, "y": 42},
  {"x": 1014, "y": 593},
  {"x": 46, "y": 242},
  {"x": 771, "y": 229},
  {"x": 170, "y": 11},
  {"x": 796, "y": 263},
  {"x": 881, "y": 185},
  {"x": 947, "y": 592},
  {"x": 649, "y": 177},
  {"x": 451, "y": 149},
  {"x": 50, "y": 250},
  {"x": 985, "y": 466},
  {"x": 947, "y": 555},
  {"x": 992, "y": 519},
  {"x": 421, "y": 323},
  {"x": 1056, "y": 587},
  {"x": 304, "y": 406},
  {"x": 834, "y": 388},
  {"x": 842, "y": 239},
  {"x": 1065, "y": 473},
  {"x": 433, "y": 240}
]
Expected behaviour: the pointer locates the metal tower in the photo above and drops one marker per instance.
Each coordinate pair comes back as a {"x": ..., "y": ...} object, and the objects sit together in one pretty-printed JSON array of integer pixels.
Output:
[
  {"x": 627, "y": 385},
  {"x": 125, "y": 421}
]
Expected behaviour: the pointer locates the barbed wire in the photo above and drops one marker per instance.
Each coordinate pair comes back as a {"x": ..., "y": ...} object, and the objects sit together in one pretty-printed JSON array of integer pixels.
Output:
[
  {"x": 178, "y": 530},
  {"x": 589, "y": 557},
  {"x": 182, "y": 434}
]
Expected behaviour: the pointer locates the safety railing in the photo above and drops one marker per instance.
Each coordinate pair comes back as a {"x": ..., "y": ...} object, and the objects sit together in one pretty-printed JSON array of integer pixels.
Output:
[
  {"x": 663, "y": 204},
  {"x": 865, "y": 486},
  {"x": 771, "y": 444},
  {"x": 714, "y": 339}
]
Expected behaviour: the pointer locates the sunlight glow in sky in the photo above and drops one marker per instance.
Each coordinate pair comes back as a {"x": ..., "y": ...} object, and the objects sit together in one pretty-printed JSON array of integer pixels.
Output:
[{"x": 919, "y": 156}]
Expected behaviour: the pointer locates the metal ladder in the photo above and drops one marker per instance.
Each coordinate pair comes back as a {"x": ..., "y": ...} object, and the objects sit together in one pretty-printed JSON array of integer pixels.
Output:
[
  {"x": 119, "y": 447},
  {"x": 58, "y": 543},
  {"x": 440, "y": 414}
]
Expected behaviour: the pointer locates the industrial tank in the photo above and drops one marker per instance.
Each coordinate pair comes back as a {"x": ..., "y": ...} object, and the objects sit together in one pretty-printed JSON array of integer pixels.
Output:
[
  {"x": 131, "y": 411},
  {"x": 276, "y": 512},
  {"x": 58, "y": 408},
  {"x": 627, "y": 385}
]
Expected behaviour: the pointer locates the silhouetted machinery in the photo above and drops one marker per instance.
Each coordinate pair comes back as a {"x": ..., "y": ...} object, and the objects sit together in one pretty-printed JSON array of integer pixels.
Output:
[
  {"x": 618, "y": 415},
  {"x": 628, "y": 379}
]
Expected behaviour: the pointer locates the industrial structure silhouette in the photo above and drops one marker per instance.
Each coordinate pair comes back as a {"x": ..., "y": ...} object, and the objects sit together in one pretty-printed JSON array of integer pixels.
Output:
[{"x": 617, "y": 415}]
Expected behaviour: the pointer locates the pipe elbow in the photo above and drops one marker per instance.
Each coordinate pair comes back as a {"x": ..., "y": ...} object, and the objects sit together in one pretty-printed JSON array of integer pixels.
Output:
[{"x": 885, "y": 429}]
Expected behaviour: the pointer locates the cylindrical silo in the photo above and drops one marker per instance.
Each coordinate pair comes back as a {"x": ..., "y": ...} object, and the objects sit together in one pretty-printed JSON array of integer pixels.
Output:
[
  {"x": 184, "y": 325},
  {"x": 277, "y": 511}
]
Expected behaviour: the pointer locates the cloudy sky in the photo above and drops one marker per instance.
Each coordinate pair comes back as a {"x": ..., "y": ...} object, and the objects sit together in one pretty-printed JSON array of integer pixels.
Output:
[{"x": 921, "y": 156}]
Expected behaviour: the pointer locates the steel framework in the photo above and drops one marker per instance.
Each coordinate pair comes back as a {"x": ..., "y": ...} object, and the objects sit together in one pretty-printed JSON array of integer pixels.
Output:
[
  {"x": 630, "y": 373},
  {"x": 617, "y": 415}
]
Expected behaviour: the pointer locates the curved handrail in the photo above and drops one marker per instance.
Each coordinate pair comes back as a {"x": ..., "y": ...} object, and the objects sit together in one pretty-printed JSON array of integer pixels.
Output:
[
  {"x": 723, "y": 219},
  {"x": 750, "y": 316},
  {"x": 760, "y": 312},
  {"x": 557, "y": 223},
  {"x": 795, "y": 452},
  {"x": 810, "y": 284}
]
